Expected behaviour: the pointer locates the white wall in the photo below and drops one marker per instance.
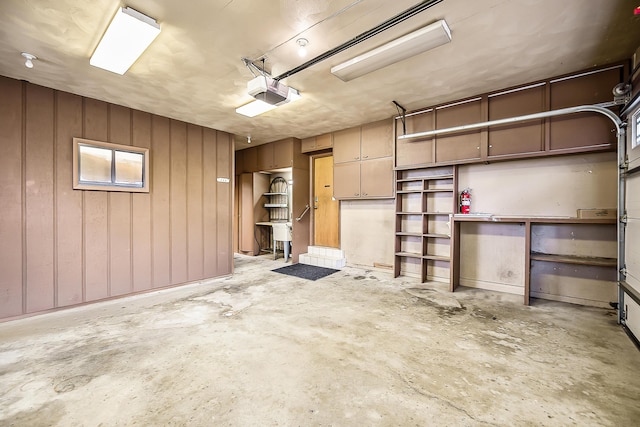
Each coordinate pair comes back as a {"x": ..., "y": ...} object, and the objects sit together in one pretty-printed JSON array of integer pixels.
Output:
[{"x": 367, "y": 230}]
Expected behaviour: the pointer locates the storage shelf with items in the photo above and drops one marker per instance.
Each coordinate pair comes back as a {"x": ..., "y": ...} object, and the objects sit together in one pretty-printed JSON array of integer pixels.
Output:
[
  {"x": 278, "y": 200},
  {"x": 425, "y": 201}
]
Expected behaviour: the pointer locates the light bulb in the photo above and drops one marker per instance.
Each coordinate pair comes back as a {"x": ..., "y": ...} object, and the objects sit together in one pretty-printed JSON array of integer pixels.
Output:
[
  {"x": 29, "y": 58},
  {"x": 302, "y": 50}
]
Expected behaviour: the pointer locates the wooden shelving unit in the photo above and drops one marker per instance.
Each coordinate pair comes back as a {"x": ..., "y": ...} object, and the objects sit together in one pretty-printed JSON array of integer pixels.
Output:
[{"x": 425, "y": 200}]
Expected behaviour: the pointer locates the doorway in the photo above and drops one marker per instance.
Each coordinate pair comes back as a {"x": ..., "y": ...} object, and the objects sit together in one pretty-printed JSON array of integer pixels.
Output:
[{"x": 326, "y": 225}]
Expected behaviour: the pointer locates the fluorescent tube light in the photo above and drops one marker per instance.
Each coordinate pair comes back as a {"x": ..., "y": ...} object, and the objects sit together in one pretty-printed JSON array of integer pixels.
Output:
[
  {"x": 128, "y": 35},
  {"x": 254, "y": 108},
  {"x": 419, "y": 41}
]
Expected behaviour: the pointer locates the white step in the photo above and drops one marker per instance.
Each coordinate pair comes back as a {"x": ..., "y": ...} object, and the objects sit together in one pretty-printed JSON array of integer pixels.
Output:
[{"x": 321, "y": 256}]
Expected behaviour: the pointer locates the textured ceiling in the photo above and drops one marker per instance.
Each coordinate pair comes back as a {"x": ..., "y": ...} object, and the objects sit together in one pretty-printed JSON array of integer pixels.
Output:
[{"x": 193, "y": 70}]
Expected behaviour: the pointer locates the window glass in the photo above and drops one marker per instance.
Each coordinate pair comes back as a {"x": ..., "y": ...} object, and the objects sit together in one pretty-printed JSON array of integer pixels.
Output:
[
  {"x": 95, "y": 164},
  {"x": 129, "y": 168}
]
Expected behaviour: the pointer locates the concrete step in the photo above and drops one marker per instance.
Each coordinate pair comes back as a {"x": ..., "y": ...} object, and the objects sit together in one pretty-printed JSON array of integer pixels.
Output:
[{"x": 321, "y": 256}]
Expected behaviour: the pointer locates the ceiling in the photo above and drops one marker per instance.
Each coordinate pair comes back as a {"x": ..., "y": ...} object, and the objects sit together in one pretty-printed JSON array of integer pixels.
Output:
[{"x": 193, "y": 70}]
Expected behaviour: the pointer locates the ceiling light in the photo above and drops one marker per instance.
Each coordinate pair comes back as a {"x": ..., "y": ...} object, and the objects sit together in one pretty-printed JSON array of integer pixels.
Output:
[
  {"x": 254, "y": 108},
  {"x": 29, "y": 58},
  {"x": 128, "y": 35},
  {"x": 419, "y": 41},
  {"x": 302, "y": 49}
]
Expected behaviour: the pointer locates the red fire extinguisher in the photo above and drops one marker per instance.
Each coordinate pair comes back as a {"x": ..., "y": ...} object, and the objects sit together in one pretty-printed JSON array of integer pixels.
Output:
[{"x": 465, "y": 201}]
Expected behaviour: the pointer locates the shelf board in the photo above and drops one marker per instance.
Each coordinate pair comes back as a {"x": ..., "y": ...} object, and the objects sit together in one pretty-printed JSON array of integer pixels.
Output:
[
  {"x": 408, "y": 254},
  {"x": 437, "y": 213},
  {"x": 409, "y": 213},
  {"x": 572, "y": 259},
  {"x": 431, "y": 235},
  {"x": 275, "y": 205},
  {"x": 426, "y": 178},
  {"x": 436, "y": 257},
  {"x": 437, "y": 236},
  {"x": 409, "y": 191},
  {"x": 439, "y": 190},
  {"x": 274, "y": 194}
]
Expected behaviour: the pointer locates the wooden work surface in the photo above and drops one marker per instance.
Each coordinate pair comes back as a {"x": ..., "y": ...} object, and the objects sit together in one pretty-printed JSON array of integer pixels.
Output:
[{"x": 527, "y": 221}]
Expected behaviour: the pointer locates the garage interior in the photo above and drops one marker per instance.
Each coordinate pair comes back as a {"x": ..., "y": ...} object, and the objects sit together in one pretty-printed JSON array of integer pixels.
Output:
[{"x": 476, "y": 199}]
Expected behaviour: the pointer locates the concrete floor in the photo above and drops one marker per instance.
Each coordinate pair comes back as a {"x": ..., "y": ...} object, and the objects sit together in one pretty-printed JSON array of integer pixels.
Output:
[{"x": 356, "y": 348}]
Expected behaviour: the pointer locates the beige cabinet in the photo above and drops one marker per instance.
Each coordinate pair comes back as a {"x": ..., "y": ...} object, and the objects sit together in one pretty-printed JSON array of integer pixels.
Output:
[
  {"x": 346, "y": 145},
  {"x": 363, "y": 161},
  {"x": 275, "y": 155},
  {"x": 317, "y": 143}
]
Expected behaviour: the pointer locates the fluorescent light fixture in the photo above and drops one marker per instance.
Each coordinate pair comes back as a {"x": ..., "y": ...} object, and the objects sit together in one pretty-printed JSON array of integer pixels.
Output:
[
  {"x": 254, "y": 108},
  {"x": 258, "y": 106},
  {"x": 128, "y": 35},
  {"x": 419, "y": 41}
]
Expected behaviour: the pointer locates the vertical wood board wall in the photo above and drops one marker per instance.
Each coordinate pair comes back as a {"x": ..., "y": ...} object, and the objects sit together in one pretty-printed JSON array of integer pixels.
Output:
[{"x": 61, "y": 247}]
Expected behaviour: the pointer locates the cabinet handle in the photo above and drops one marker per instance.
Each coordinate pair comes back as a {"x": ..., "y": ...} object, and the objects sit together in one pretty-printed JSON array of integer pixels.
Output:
[
  {"x": 356, "y": 194},
  {"x": 365, "y": 157},
  {"x": 357, "y": 158}
]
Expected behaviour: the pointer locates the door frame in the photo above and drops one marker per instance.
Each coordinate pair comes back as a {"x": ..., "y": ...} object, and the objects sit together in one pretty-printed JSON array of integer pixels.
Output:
[{"x": 312, "y": 174}]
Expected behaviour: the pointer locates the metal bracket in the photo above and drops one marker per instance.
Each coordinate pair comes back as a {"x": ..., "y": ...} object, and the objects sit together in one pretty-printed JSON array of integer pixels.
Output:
[
  {"x": 403, "y": 116},
  {"x": 623, "y": 271},
  {"x": 624, "y": 219}
]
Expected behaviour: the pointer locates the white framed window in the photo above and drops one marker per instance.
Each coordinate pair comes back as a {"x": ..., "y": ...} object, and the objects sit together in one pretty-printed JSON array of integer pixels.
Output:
[{"x": 109, "y": 167}]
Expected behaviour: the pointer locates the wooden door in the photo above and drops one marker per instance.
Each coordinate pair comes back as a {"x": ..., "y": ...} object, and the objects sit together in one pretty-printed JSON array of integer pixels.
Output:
[{"x": 326, "y": 208}]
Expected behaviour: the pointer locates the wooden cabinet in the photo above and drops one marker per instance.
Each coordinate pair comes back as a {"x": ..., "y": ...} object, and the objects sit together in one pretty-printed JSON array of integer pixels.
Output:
[
  {"x": 317, "y": 143},
  {"x": 346, "y": 145},
  {"x": 247, "y": 160},
  {"x": 363, "y": 161},
  {"x": 275, "y": 155},
  {"x": 346, "y": 180},
  {"x": 583, "y": 132},
  {"x": 425, "y": 200}
]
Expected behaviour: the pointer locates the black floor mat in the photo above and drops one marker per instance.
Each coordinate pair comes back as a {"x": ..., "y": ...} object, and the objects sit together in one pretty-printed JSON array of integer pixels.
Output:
[{"x": 309, "y": 272}]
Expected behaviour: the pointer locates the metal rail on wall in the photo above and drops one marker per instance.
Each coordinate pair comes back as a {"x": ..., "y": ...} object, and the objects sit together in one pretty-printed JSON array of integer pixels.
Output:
[{"x": 622, "y": 167}]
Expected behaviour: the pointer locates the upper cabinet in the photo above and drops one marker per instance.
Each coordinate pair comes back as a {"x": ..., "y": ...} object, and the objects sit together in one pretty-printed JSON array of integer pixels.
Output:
[
  {"x": 370, "y": 141},
  {"x": 266, "y": 157},
  {"x": 317, "y": 143},
  {"x": 363, "y": 161},
  {"x": 573, "y": 133}
]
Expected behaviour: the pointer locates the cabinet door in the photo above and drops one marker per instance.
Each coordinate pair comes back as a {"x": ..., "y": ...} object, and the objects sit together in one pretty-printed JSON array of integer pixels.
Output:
[
  {"x": 283, "y": 153},
  {"x": 346, "y": 180},
  {"x": 324, "y": 141},
  {"x": 376, "y": 178},
  {"x": 250, "y": 159},
  {"x": 460, "y": 146},
  {"x": 308, "y": 144},
  {"x": 346, "y": 145},
  {"x": 419, "y": 151},
  {"x": 377, "y": 139},
  {"x": 265, "y": 157}
]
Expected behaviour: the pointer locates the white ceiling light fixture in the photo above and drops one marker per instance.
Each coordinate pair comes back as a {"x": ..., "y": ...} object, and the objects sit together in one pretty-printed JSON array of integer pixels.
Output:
[
  {"x": 302, "y": 47},
  {"x": 254, "y": 108},
  {"x": 29, "y": 58},
  {"x": 419, "y": 41},
  {"x": 128, "y": 35}
]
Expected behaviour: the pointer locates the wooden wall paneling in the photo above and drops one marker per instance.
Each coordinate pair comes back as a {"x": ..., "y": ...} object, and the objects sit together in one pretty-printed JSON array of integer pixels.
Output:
[
  {"x": 210, "y": 196},
  {"x": 96, "y": 237},
  {"x": 120, "y": 281},
  {"x": 195, "y": 249},
  {"x": 160, "y": 201},
  {"x": 141, "y": 211},
  {"x": 416, "y": 151},
  {"x": 178, "y": 203},
  {"x": 525, "y": 137},
  {"x": 11, "y": 225},
  {"x": 39, "y": 173},
  {"x": 459, "y": 146},
  {"x": 68, "y": 207},
  {"x": 223, "y": 204},
  {"x": 584, "y": 129}
]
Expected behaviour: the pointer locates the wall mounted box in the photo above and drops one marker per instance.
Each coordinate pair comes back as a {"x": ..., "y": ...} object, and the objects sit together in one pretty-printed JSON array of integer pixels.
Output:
[{"x": 598, "y": 213}]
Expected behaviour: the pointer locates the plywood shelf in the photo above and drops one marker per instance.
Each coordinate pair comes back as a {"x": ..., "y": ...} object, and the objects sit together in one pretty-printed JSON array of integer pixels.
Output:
[
  {"x": 408, "y": 255},
  {"x": 572, "y": 259}
]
